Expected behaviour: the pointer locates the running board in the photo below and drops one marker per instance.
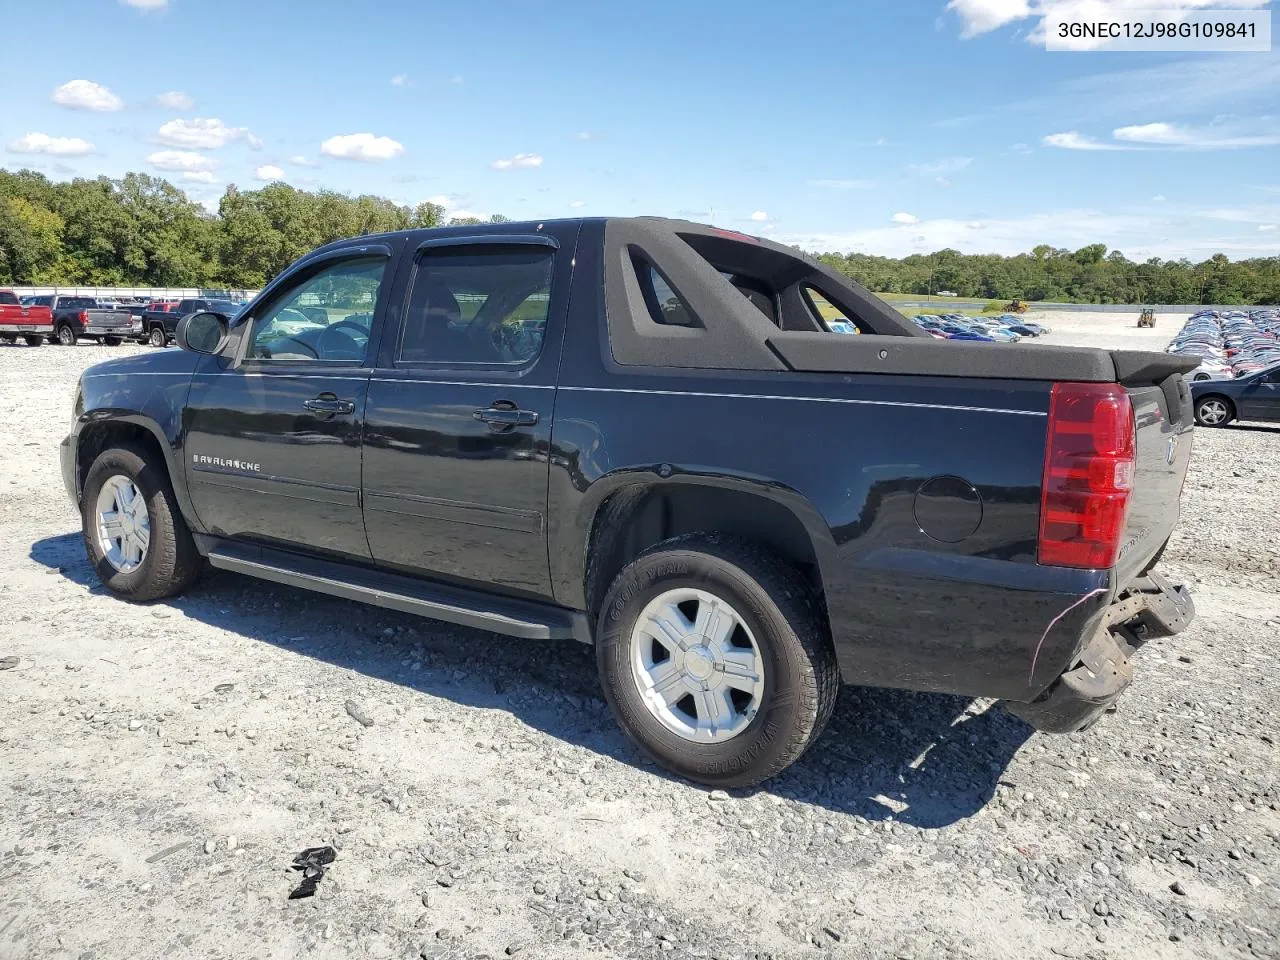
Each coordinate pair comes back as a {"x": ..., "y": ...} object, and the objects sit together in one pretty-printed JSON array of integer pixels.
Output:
[{"x": 437, "y": 601}]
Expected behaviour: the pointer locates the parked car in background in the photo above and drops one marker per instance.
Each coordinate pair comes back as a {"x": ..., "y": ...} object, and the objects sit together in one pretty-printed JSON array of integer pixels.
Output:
[
  {"x": 1255, "y": 396},
  {"x": 160, "y": 326},
  {"x": 75, "y": 318},
  {"x": 34, "y": 324}
]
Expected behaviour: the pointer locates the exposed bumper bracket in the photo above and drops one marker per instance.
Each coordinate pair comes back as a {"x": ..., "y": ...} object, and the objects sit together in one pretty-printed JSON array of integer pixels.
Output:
[{"x": 1151, "y": 608}]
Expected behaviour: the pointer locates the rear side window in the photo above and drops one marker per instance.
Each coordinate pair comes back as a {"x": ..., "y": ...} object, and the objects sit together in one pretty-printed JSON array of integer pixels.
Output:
[
  {"x": 8, "y": 298},
  {"x": 829, "y": 316},
  {"x": 484, "y": 304},
  {"x": 665, "y": 304},
  {"x": 78, "y": 303}
]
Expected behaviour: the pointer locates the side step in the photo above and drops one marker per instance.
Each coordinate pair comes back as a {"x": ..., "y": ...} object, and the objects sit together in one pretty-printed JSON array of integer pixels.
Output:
[{"x": 437, "y": 601}]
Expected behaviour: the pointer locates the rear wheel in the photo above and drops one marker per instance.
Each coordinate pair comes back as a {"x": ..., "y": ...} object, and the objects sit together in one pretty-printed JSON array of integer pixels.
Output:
[
  {"x": 716, "y": 659},
  {"x": 157, "y": 338},
  {"x": 134, "y": 535},
  {"x": 112, "y": 341},
  {"x": 1214, "y": 411},
  {"x": 8, "y": 338},
  {"x": 66, "y": 336},
  {"x": 34, "y": 341}
]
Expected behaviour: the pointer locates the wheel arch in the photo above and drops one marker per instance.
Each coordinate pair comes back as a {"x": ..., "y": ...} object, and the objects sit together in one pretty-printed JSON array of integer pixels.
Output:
[
  {"x": 120, "y": 429},
  {"x": 636, "y": 514}
]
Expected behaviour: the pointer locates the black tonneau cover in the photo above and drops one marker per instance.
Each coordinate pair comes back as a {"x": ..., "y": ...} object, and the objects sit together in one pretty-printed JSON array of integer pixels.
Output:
[{"x": 838, "y": 353}]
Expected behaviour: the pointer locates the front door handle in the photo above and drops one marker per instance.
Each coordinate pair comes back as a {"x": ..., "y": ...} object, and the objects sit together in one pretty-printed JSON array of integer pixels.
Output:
[
  {"x": 329, "y": 405},
  {"x": 505, "y": 415}
]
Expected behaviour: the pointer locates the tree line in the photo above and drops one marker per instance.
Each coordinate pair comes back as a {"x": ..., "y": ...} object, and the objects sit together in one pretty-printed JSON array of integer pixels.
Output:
[{"x": 141, "y": 230}]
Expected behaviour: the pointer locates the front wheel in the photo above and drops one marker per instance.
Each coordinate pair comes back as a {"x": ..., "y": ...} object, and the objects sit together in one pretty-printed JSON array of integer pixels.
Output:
[
  {"x": 66, "y": 336},
  {"x": 715, "y": 657},
  {"x": 1214, "y": 411},
  {"x": 134, "y": 535},
  {"x": 8, "y": 338}
]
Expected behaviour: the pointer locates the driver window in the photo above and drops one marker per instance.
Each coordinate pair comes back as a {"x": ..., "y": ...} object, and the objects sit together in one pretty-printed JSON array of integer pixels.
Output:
[{"x": 326, "y": 317}]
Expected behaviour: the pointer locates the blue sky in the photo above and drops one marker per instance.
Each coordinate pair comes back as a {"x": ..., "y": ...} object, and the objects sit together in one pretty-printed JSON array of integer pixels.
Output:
[{"x": 885, "y": 126}]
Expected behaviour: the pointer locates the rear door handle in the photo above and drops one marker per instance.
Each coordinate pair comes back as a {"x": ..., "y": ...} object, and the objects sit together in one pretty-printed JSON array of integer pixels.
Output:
[
  {"x": 329, "y": 404},
  {"x": 504, "y": 415}
]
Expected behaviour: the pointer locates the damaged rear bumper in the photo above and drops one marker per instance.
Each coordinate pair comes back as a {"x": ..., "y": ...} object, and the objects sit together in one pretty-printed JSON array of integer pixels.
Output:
[{"x": 1149, "y": 609}]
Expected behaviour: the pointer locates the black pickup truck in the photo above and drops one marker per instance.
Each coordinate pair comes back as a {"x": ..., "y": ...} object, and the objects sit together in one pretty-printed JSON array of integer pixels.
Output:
[
  {"x": 159, "y": 327},
  {"x": 640, "y": 433},
  {"x": 75, "y": 318}
]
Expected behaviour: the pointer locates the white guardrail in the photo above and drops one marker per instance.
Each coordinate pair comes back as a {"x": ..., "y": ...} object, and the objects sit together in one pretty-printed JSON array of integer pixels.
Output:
[{"x": 151, "y": 293}]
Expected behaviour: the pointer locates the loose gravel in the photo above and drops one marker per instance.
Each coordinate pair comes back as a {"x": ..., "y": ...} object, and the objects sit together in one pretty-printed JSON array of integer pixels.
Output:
[{"x": 162, "y": 765}]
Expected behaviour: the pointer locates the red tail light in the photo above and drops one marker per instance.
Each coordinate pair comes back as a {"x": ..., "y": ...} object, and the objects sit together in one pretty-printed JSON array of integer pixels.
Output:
[
  {"x": 84, "y": 316},
  {"x": 1088, "y": 475}
]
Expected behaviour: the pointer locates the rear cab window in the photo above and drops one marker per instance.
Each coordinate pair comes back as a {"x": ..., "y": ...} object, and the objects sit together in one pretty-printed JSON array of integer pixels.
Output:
[
  {"x": 8, "y": 299},
  {"x": 482, "y": 304}
]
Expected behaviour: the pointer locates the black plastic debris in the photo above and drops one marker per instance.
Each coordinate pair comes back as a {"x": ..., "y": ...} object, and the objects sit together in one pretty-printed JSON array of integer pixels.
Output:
[{"x": 311, "y": 863}]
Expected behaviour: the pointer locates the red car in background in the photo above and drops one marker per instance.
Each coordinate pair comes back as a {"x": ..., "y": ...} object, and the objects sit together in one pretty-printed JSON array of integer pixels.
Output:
[{"x": 32, "y": 324}]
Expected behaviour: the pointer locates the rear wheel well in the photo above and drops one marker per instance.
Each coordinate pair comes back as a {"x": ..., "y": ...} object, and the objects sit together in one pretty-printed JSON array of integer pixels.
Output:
[
  {"x": 96, "y": 438},
  {"x": 638, "y": 517}
]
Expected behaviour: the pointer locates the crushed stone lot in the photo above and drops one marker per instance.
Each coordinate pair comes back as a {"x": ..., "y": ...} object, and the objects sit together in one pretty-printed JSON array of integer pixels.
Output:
[{"x": 162, "y": 765}]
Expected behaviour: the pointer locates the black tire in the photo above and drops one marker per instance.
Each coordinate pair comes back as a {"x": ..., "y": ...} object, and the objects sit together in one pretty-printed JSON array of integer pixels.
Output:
[
  {"x": 8, "y": 338},
  {"x": 171, "y": 563},
  {"x": 801, "y": 679},
  {"x": 34, "y": 341},
  {"x": 66, "y": 336},
  {"x": 157, "y": 337},
  {"x": 1206, "y": 414},
  {"x": 112, "y": 341}
]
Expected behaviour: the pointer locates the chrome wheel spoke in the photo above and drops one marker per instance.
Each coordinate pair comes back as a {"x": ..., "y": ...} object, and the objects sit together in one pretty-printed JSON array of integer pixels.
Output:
[
  {"x": 715, "y": 621},
  {"x": 111, "y": 526},
  {"x": 668, "y": 683},
  {"x": 715, "y": 712},
  {"x": 123, "y": 524},
  {"x": 740, "y": 669},
  {"x": 142, "y": 536},
  {"x": 669, "y": 627}
]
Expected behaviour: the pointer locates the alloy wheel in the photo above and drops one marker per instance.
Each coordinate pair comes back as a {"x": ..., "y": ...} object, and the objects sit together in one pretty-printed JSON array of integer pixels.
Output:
[
  {"x": 1213, "y": 412},
  {"x": 697, "y": 666},
  {"x": 124, "y": 526}
]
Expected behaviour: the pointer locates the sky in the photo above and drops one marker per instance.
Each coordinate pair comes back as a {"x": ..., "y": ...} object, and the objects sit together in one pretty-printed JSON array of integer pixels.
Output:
[{"x": 879, "y": 126}]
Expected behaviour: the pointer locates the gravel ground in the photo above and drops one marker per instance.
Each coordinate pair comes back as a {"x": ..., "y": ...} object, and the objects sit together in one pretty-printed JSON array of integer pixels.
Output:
[{"x": 161, "y": 765}]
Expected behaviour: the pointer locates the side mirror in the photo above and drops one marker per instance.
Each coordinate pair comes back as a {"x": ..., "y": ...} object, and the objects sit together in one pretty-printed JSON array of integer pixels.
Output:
[{"x": 202, "y": 332}]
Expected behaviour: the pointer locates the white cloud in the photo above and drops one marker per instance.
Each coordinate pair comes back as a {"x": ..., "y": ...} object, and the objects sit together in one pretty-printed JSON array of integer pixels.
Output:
[
  {"x": 204, "y": 133},
  {"x": 905, "y": 218},
  {"x": 942, "y": 181},
  {"x": 1220, "y": 136},
  {"x": 87, "y": 95},
  {"x": 1021, "y": 148},
  {"x": 53, "y": 146},
  {"x": 1158, "y": 198},
  {"x": 301, "y": 161},
  {"x": 578, "y": 203},
  {"x": 844, "y": 184},
  {"x": 174, "y": 100},
  {"x": 1267, "y": 227},
  {"x": 181, "y": 160},
  {"x": 146, "y": 4},
  {"x": 586, "y": 135},
  {"x": 982, "y": 16},
  {"x": 199, "y": 176},
  {"x": 760, "y": 216},
  {"x": 1180, "y": 233},
  {"x": 269, "y": 172},
  {"x": 400, "y": 80},
  {"x": 1072, "y": 140},
  {"x": 521, "y": 161},
  {"x": 941, "y": 168},
  {"x": 362, "y": 146}
]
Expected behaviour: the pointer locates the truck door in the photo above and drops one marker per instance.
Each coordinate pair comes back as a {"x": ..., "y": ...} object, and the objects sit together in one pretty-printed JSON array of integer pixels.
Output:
[
  {"x": 273, "y": 433},
  {"x": 458, "y": 420}
]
